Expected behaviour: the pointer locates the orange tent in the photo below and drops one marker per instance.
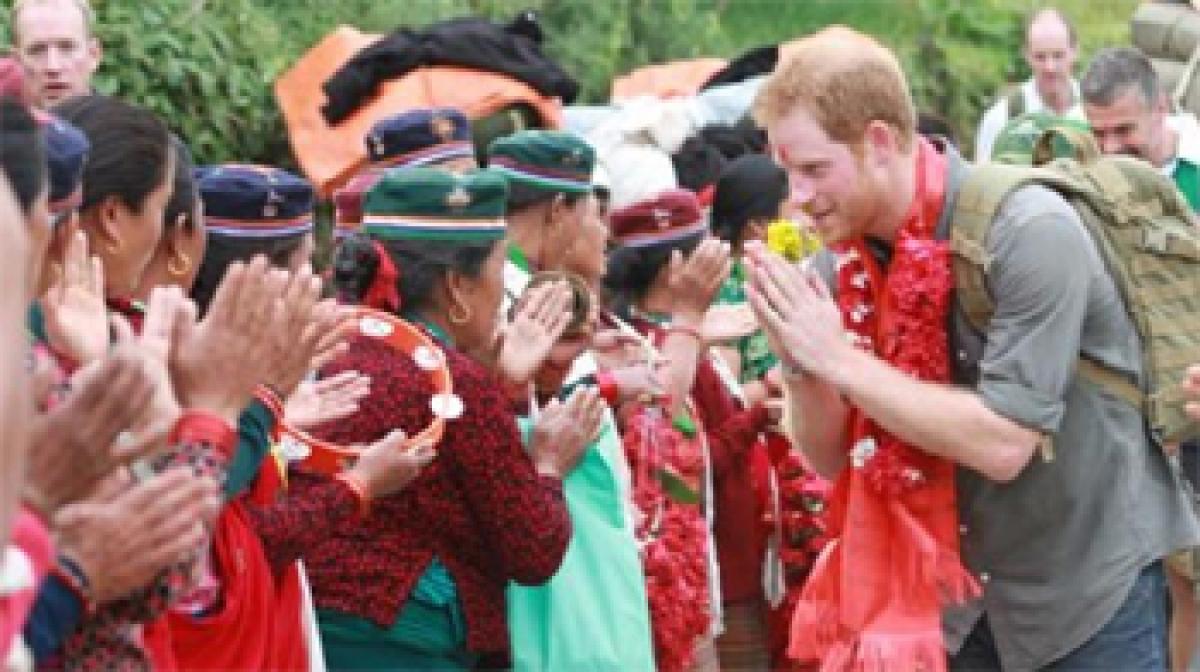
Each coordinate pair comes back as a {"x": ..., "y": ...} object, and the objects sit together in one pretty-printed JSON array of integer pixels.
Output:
[
  {"x": 667, "y": 80},
  {"x": 330, "y": 155}
]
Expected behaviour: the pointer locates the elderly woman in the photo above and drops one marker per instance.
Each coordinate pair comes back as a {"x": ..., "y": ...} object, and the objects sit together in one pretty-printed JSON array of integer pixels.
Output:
[
  {"x": 417, "y": 581},
  {"x": 255, "y": 618}
]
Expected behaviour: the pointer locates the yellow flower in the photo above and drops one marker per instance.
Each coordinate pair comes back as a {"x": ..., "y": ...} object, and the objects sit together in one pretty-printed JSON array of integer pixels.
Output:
[{"x": 786, "y": 238}]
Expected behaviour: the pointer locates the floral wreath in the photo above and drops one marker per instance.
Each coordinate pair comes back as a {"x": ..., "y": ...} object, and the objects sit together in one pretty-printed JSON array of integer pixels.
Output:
[{"x": 330, "y": 458}]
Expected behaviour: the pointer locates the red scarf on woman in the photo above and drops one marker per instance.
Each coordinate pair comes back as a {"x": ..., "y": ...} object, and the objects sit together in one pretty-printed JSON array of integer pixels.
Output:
[
  {"x": 874, "y": 599},
  {"x": 259, "y": 624}
]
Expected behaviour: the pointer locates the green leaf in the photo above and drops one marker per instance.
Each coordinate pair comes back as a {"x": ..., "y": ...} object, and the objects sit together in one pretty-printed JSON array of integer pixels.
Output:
[
  {"x": 676, "y": 488},
  {"x": 684, "y": 423}
]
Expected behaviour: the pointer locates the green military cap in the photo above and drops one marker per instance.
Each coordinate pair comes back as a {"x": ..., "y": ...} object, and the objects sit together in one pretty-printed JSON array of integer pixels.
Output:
[
  {"x": 433, "y": 204},
  {"x": 1018, "y": 140},
  {"x": 546, "y": 160}
]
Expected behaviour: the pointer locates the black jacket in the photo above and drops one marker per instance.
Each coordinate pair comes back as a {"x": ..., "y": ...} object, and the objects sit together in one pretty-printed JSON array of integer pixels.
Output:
[{"x": 514, "y": 50}]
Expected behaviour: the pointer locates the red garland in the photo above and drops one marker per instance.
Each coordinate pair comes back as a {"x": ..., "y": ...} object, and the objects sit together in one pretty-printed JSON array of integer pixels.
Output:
[
  {"x": 875, "y": 595},
  {"x": 673, "y": 534},
  {"x": 917, "y": 294},
  {"x": 803, "y": 509}
]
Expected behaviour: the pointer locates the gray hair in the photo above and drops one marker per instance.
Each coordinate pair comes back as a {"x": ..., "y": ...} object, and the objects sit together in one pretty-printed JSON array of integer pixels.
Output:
[{"x": 1111, "y": 73}]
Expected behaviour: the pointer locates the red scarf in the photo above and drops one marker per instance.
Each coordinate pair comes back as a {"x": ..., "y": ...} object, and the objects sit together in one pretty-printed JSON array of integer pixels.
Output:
[
  {"x": 875, "y": 597},
  {"x": 258, "y": 625}
]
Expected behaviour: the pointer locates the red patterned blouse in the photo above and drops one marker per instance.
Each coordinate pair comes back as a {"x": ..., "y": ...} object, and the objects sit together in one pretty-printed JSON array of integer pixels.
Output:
[{"x": 480, "y": 507}]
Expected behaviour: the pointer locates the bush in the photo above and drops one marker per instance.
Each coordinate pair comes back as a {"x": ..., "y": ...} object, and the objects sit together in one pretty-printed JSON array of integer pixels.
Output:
[{"x": 205, "y": 67}]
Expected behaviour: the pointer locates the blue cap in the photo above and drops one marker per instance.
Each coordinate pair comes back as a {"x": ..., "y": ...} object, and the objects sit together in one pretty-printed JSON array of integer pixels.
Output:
[
  {"x": 420, "y": 137},
  {"x": 248, "y": 201},
  {"x": 66, "y": 152}
]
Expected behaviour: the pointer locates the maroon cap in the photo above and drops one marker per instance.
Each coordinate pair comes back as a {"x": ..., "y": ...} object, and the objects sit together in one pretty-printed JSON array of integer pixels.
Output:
[
  {"x": 669, "y": 215},
  {"x": 348, "y": 202}
]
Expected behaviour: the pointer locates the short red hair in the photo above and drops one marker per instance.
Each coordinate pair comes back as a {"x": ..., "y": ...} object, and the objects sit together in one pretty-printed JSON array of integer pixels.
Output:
[{"x": 845, "y": 80}]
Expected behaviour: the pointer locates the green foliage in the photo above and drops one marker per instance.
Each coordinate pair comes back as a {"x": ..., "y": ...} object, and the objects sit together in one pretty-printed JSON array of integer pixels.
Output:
[
  {"x": 598, "y": 41},
  {"x": 951, "y": 75},
  {"x": 206, "y": 67}
]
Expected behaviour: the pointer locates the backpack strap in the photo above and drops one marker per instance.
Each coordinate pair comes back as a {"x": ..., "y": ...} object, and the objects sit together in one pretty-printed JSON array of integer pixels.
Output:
[
  {"x": 982, "y": 193},
  {"x": 979, "y": 201},
  {"x": 1113, "y": 382},
  {"x": 1016, "y": 101}
]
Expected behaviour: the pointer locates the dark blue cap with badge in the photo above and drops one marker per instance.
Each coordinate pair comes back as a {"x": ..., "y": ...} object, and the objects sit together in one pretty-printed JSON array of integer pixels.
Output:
[
  {"x": 248, "y": 201},
  {"x": 420, "y": 138},
  {"x": 66, "y": 152}
]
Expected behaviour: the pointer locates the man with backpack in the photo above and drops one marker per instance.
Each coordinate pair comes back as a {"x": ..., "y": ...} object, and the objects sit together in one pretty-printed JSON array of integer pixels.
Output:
[
  {"x": 1130, "y": 114},
  {"x": 968, "y": 371},
  {"x": 1050, "y": 50}
]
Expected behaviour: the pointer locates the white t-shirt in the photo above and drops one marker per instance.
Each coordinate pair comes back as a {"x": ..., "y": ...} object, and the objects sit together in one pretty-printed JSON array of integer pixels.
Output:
[
  {"x": 1188, "y": 149},
  {"x": 997, "y": 116}
]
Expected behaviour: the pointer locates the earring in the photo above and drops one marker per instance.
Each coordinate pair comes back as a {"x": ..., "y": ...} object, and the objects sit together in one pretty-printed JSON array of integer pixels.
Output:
[
  {"x": 462, "y": 318},
  {"x": 179, "y": 265},
  {"x": 112, "y": 247}
]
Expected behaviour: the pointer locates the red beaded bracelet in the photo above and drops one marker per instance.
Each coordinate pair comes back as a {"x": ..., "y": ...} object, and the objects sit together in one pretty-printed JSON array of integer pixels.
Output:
[
  {"x": 271, "y": 400},
  {"x": 203, "y": 427},
  {"x": 606, "y": 383},
  {"x": 268, "y": 397},
  {"x": 359, "y": 489}
]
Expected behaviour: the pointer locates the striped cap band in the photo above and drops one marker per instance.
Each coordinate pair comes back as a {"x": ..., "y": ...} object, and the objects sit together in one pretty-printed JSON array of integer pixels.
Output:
[
  {"x": 259, "y": 228},
  {"x": 430, "y": 228},
  {"x": 539, "y": 177},
  {"x": 459, "y": 149},
  {"x": 664, "y": 236}
]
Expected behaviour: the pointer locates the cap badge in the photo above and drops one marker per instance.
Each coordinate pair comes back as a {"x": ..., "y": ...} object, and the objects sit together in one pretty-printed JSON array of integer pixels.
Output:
[
  {"x": 662, "y": 217},
  {"x": 442, "y": 127},
  {"x": 377, "y": 145},
  {"x": 575, "y": 158},
  {"x": 271, "y": 209},
  {"x": 458, "y": 198}
]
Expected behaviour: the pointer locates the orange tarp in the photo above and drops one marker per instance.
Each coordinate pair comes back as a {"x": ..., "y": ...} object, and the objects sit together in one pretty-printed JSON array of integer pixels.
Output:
[
  {"x": 667, "y": 80},
  {"x": 330, "y": 155}
]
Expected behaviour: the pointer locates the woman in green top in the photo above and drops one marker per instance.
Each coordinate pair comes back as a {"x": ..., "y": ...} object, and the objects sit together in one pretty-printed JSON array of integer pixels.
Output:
[
  {"x": 593, "y": 614},
  {"x": 750, "y": 195}
]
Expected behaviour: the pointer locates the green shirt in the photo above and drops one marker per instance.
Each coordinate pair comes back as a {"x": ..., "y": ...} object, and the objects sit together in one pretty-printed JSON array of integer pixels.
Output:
[
  {"x": 753, "y": 350},
  {"x": 430, "y": 633},
  {"x": 1187, "y": 177},
  {"x": 593, "y": 614}
]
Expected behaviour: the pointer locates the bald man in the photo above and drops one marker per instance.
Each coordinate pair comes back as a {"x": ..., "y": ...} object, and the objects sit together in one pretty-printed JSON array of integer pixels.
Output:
[
  {"x": 1050, "y": 50},
  {"x": 54, "y": 44}
]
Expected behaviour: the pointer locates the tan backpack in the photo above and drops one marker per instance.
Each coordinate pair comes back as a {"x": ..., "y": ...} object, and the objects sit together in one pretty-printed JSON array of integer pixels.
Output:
[{"x": 1148, "y": 238}]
